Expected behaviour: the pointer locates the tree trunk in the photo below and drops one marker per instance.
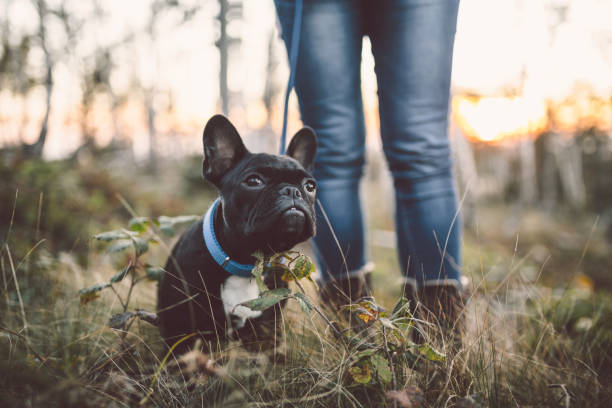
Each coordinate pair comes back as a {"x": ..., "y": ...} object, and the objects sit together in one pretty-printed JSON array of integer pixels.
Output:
[
  {"x": 549, "y": 178},
  {"x": 36, "y": 149},
  {"x": 569, "y": 162},
  {"x": 527, "y": 188},
  {"x": 271, "y": 87},
  {"x": 467, "y": 173},
  {"x": 223, "y": 45},
  {"x": 152, "y": 133}
]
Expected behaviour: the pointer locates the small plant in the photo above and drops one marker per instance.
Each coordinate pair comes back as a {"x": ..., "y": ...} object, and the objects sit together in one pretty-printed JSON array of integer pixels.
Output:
[
  {"x": 142, "y": 232},
  {"x": 378, "y": 350},
  {"x": 373, "y": 362}
]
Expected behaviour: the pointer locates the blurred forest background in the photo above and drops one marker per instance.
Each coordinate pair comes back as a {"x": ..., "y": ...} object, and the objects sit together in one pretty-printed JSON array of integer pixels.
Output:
[{"x": 102, "y": 105}]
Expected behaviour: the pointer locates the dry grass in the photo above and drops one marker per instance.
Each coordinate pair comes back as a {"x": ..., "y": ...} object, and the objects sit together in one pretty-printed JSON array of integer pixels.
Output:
[{"x": 525, "y": 346}]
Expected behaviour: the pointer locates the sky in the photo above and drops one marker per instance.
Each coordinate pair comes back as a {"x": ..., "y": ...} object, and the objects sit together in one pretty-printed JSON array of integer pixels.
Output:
[{"x": 502, "y": 47}]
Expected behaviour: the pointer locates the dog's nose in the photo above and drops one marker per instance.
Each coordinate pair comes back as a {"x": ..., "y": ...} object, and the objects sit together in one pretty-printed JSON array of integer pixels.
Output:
[{"x": 291, "y": 191}]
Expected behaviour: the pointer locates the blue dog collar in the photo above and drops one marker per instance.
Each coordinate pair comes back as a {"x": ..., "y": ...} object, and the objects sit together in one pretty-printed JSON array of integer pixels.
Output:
[{"x": 213, "y": 246}]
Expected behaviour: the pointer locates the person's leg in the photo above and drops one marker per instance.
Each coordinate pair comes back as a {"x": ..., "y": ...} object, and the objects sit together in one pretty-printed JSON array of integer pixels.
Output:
[
  {"x": 412, "y": 43},
  {"x": 329, "y": 95}
]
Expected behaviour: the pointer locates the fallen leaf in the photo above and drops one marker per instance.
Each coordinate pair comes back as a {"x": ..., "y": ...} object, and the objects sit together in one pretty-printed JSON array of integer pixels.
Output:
[{"x": 409, "y": 397}]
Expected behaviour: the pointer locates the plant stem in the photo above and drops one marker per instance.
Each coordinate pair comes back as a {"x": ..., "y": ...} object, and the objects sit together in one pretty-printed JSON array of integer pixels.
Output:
[
  {"x": 132, "y": 283},
  {"x": 386, "y": 347},
  {"x": 23, "y": 315},
  {"x": 118, "y": 297}
]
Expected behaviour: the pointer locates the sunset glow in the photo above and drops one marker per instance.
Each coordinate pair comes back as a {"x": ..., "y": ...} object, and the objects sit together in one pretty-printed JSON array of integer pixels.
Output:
[
  {"x": 494, "y": 119},
  {"x": 500, "y": 119}
]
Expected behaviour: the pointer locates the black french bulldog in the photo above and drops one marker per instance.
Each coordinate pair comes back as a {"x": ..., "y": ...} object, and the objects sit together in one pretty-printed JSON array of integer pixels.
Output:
[{"x": 266, "y": 203}]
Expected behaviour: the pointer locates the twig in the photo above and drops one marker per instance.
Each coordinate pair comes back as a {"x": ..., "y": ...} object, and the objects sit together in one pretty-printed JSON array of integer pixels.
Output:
[
  {"x": 566, "y": 397},
  {"x": 127, "y": 205},
  {"x": 118, "y": 297},
  {"x": 127, "y": 300},
  {"x": 132, "y": 283},
  {"x": 389, "y": 361},
  {"x": 25, "y": 340}
]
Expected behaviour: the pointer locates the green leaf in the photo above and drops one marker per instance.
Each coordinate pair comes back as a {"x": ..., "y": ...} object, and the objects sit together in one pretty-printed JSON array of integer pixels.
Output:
[
  {"x": 304, "y": 302},
  {"x": 140, "y": 245},
  {"x": 121, "y": 274},
  {"x": 148, "y": 317},
  {"x": 430, "y": 353},
  {"x": 91, "y": 293},
  {"x": 120, "y": 320},
  {"x": 154, "y": 273},
  {"x": 139, "y": 224},
  {"x": 287, "y": 275},
  {"x": 303, "y": 267},
  {"x": 361, "y": 373},
  {"x": 267, "y": 299},
  {"x": 178, "y": 220},
  {"x": 119, "y": 246},
  {"x": 381, "y": 366},
  {"x": 113, "y": 235}
]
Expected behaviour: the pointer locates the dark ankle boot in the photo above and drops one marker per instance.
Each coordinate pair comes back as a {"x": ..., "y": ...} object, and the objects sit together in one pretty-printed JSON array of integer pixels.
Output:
[
  {"x": 443, "y": 307},
  {"x": 439, "y": 308}
]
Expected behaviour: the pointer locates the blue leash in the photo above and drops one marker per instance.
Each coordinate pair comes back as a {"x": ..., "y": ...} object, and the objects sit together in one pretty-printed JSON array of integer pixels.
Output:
[{"x": 293, "y": 57}]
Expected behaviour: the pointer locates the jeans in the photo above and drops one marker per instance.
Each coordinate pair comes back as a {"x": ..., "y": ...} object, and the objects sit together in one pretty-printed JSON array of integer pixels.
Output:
[{"x": 412, "y": 45}]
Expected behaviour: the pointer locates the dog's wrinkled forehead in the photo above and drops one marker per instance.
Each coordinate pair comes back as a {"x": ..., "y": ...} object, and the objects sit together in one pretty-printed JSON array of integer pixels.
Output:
[{"x": 276, "y": 168}]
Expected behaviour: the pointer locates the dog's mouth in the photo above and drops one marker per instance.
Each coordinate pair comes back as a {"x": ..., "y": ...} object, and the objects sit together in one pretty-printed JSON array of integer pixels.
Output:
[
  {"x": 281, "y": 229},
  {"x": 294, "y": 212},
  {"x": 292, "y": 220},
  {"x": 292, "y": 225}
]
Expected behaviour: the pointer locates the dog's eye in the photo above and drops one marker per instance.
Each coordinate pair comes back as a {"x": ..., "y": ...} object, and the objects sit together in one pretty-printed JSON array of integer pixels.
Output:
[
  {"x": 254, "y": 181},
  {"x": 310, "y": 186}
]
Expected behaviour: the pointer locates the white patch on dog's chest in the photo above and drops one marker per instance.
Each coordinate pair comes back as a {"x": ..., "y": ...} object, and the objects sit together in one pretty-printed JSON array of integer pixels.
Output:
[{"x": 234, "y": 291}]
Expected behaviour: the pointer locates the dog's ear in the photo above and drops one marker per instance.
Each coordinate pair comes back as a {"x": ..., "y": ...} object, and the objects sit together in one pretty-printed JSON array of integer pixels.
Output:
[
  {"x": 303, "y": 147},
  {"x": 223, "y": 148}
]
